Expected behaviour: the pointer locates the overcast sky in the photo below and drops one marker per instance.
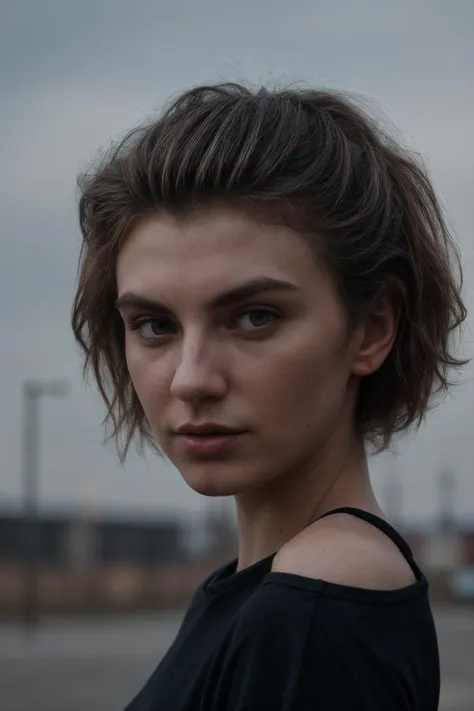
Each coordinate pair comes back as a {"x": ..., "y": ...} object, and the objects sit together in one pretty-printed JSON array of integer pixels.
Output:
[{"x": 75, "y": 74}]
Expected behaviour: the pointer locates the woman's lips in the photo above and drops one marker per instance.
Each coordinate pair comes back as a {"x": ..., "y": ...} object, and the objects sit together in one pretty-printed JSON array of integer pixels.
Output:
[{"x": 209, "y": 445}]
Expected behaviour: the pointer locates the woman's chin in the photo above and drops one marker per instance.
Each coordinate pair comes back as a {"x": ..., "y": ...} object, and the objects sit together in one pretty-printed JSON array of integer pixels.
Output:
[
  {"x": 214, "y": 481},
  {"x": 209, "y": 486}
]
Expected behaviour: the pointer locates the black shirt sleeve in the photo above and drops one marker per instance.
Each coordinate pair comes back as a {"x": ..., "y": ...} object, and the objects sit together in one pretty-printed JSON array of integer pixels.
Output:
[{"x": 298, "y": 647}]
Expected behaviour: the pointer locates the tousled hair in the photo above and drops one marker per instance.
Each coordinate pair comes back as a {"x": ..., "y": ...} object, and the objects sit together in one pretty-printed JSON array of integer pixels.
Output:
[{"x": 311, "y": 160}]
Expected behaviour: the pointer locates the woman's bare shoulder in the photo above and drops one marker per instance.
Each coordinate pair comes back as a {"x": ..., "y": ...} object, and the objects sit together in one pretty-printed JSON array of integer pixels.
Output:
[{"x": 347, "y": 551}]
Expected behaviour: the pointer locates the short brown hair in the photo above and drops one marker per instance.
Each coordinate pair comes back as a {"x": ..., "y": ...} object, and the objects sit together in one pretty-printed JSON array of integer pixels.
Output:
[{"x": 312, "y": 160}]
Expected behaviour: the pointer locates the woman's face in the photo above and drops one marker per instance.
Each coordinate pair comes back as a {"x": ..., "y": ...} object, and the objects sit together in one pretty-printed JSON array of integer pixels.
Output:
[{"x": 235, "y": 324}]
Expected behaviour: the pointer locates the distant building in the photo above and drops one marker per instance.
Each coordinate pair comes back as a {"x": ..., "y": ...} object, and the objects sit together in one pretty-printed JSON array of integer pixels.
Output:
[
  {"x": 111, "y": 562},
  {"x": 62, "y": 539}
]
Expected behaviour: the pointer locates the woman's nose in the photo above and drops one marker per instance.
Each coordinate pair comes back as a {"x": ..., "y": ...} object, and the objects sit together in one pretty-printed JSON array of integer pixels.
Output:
[{"x": 197, "y": 375}]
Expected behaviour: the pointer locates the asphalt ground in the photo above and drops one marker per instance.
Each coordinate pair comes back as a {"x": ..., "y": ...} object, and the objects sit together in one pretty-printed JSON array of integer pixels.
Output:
[{"x": 98, "y": 664}]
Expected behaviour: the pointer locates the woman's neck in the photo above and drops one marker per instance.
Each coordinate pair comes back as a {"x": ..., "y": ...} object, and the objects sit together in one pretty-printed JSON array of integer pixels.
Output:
[{"x": 271, "y": 516}]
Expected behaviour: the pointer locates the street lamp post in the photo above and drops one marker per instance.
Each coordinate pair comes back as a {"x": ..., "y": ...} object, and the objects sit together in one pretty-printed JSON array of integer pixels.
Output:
[{"x": 33, "y": 390}]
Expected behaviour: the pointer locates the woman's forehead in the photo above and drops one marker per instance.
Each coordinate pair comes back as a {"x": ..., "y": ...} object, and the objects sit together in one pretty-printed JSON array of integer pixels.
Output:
[{"x": 215, "y": 250}]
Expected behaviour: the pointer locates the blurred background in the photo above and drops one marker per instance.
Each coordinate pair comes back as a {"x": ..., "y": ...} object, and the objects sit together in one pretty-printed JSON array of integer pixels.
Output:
[{"x": 98, "y": 560}]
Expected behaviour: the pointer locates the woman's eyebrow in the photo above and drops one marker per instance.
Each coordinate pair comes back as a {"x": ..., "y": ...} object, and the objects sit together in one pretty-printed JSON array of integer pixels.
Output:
[{"x": 130, "y": 300}]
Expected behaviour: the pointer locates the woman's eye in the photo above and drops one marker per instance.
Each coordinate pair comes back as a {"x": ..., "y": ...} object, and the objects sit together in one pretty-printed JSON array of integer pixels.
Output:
[
  {"x": 255, "y": 319},
  {"x": 152, "y": 328}
]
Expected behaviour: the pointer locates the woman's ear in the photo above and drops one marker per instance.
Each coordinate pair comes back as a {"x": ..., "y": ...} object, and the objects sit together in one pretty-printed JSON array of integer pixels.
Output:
[{"x": 377, "y": 335}]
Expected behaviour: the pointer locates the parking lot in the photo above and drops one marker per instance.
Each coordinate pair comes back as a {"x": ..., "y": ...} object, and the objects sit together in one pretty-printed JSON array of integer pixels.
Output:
[{"x": 99, "y": 664}]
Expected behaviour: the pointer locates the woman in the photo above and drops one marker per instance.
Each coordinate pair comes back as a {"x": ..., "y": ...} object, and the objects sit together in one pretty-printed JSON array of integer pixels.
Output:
[{"x": 266, "y": 295}]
